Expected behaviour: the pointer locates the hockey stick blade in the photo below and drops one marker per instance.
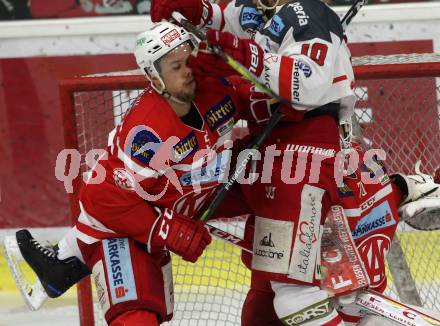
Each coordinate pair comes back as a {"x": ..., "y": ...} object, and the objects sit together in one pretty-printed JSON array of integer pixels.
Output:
[
  {"x": 228, "y": 237},
  {"x": 34, "y": 294},
  {"x": 398, "y": 312}
]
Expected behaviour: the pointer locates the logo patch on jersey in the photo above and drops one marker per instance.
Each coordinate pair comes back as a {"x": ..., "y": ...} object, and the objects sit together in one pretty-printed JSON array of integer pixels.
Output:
[
  {"x": 296, "y": 94},
  {"x": 317, "y": 311},
  {"x": 378, "y": 218},
  {"x": 276, "y": 26},
  {"x": 142, "y": 143},
  {"x": 224, "y": 129},
  {"x": 251, "y": 18},
  {"x": 303, "y": 259},
  {"x": 303, "y": 18},
  {"x": 185, "y": 147},
  {"x": 305, "y": 68},
  {"x": 385, "y": 179},
  {"x": 220, "y": 113},
  {"x": 214, "y": 171},
  {"x": 345, "y": 191},
  {"x": 373, "y": 251},
  {"x": 271, "y": 245},
  {"x": 119, "y": 270}
]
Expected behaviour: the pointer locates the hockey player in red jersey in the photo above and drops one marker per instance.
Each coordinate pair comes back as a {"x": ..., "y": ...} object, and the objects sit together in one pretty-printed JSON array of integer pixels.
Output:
[
  {"x": 298, "y": 50},
  {"x": 373, "y": 211},
  {"x": 163, "y": 161}
]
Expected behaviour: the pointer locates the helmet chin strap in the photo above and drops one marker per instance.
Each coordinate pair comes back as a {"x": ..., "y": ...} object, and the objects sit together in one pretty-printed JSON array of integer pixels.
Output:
[
  {"x": 164, "y": 91},
  {"x": 171, "y": 97}
]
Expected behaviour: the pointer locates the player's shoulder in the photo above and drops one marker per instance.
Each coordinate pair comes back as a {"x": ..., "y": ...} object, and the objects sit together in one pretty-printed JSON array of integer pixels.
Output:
[
  {"x": 213, "y": 89},
  {"x": 146, "y": 126},
  {"x": 150, "y": 115},
  {"x": 306, "y": 20}
]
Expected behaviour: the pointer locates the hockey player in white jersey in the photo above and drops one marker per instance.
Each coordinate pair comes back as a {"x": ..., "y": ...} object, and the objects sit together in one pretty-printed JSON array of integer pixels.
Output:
[{"x": 300, "y": 52}]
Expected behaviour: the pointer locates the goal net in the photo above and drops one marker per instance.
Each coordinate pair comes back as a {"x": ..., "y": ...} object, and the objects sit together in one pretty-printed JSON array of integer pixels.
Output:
[{"x": 398, "y": 109}]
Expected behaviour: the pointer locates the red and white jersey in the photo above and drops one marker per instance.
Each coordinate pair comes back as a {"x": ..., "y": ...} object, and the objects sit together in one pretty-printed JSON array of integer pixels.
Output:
[
  {"x": 371, "y": 211},
  {"x": 155, "y": 160},
  {"x": 307, "y": 59}
]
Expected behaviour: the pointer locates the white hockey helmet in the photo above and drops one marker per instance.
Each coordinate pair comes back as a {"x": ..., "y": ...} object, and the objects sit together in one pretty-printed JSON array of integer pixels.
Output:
[{"x": 156, "y": 42}]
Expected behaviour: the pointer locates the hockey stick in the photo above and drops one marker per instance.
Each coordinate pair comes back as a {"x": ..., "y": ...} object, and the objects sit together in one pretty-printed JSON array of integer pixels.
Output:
[
  {"x": 254, "y": 145},
  {"x": 228, "y": 237},
  {"x": 371, "y": 300},
  {"x": 398, "y": 312},
  {"x": 354, "y": 9}
]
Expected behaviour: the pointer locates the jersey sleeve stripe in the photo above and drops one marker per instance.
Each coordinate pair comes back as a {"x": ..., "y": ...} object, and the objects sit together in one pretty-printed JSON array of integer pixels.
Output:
[
  {"x": 339, "y": 79},
  {"x": 285, "y": 79}
]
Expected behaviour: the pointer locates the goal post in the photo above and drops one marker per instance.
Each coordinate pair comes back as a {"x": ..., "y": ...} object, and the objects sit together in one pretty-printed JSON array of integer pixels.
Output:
[
  {"x": 398, "y": 109},
  {"x": 74, "y": 138}
]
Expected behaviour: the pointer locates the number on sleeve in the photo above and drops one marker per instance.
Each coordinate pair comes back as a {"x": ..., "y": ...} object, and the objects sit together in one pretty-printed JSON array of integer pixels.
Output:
[{"x": 317, "y": 52}]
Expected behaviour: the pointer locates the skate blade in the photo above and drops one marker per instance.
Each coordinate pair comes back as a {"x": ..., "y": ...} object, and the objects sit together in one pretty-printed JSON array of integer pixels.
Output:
[{"x": 34, "y": 294}]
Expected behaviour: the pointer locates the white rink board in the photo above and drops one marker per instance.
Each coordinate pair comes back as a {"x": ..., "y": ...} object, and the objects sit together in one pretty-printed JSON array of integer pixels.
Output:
[{"x": 107, "y": 35}]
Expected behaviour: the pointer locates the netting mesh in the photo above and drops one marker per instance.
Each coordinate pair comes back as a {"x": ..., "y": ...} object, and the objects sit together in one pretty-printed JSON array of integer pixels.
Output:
[
  {"x": 396, "y": 59},
  {"x": 402, "y": 116}
]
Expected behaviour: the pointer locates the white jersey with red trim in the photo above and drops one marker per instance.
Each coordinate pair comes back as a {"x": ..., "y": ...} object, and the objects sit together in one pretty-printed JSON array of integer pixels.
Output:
[
  {"x": 307, "y": 60},
  {"x": 157, "y": 161}
]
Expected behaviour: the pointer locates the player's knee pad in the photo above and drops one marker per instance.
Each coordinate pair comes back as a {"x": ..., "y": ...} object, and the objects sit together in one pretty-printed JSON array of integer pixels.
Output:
[
  {"x": 136, "y": 318},
  {"x": 128, "y": 278},
  {"x": 305, "y": 305}
]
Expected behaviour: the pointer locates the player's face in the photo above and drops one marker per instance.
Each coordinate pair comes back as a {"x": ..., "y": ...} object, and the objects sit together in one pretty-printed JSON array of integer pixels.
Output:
[{"x": 177, "y": 75}]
